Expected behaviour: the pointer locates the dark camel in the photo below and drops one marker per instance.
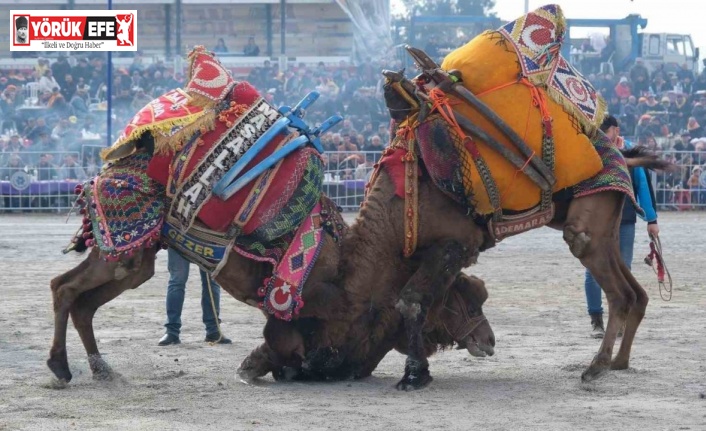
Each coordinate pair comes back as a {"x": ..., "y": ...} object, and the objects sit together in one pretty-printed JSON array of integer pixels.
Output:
[{"x": 94, "y": 282}]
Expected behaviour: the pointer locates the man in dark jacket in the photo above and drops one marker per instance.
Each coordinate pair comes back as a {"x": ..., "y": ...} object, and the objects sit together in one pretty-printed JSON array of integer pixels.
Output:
[{"x": 646, "y": 199}]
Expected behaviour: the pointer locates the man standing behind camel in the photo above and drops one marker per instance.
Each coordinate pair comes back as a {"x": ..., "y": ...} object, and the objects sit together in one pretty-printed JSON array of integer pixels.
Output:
[{"x": 646, "y": 199}]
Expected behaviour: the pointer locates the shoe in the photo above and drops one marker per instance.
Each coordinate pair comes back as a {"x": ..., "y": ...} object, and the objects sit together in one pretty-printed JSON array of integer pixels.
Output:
[
  {"x": 168, "y": 340},
  {"x": 213, "y": 338},
  {"x": 597, "y": 323}
]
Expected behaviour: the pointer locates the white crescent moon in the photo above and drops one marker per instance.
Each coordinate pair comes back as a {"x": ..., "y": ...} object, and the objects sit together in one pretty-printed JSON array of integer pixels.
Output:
[
  {"x": 527, "y": 37},
  {"x": 278, "y": 306}
]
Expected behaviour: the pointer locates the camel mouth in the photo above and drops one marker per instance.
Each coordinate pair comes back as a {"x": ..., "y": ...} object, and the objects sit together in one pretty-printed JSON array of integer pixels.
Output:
[{"x": 479, "y": 350}]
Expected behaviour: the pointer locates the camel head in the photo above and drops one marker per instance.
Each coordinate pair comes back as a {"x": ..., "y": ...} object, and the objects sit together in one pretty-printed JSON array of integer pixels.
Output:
[
  {"x": 399, "y": 95},
  {"x": 463, "y": 318}
]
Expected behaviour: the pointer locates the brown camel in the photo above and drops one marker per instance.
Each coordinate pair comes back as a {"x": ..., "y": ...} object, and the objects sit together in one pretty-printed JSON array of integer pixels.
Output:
[
  {"x": 590, "y": 226},
  {"x": 94, "y": 282}
]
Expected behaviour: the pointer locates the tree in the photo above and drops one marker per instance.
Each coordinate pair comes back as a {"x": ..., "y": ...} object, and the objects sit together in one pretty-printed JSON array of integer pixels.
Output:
[{"x": 475, "y": 7}]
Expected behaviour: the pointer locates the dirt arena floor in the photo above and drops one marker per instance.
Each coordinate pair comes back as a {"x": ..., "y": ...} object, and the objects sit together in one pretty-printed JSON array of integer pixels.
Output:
[{"x": 536, "y": 307}]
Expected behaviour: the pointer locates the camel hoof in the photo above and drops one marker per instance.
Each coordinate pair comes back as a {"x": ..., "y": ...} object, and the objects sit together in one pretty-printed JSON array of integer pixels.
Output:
[
  {"x": 250, "y": 370},
  {"x": 55, "y": 383},
  {"x": 619, "y": 365},
  {"x": 247, "y": 375},
  {"x": 60, "y": 368},
  {"x": 592, "y": 373},
  {"x": 100, "y": 369},
  {"x": 412, "y": 382}
]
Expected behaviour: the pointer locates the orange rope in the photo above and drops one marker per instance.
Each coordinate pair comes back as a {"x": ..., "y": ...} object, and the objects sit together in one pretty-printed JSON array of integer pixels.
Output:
[{"x": 499, "y": 87}]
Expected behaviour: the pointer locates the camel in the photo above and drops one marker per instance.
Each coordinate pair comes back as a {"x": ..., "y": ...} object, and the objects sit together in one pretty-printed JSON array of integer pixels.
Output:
[
  {"x": 82, "y": 290},
  {"x": 589, "y": 225}
]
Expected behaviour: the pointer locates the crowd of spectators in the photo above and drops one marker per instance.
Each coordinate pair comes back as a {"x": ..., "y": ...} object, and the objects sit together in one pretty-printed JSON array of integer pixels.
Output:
[
  {"x": 48, "y": 114},
  {"x": 666, "y": 111}
]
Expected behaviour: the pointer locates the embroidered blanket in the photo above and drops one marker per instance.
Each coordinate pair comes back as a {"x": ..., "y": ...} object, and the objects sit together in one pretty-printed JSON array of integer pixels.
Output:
[{"x": 123, "y": 208}]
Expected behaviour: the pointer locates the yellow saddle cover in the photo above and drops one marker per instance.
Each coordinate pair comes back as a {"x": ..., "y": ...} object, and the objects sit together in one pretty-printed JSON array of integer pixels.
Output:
[{"x": 492, "y": 65}]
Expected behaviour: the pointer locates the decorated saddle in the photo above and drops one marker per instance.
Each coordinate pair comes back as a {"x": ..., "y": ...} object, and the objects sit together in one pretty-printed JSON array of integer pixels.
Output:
[
  {"x": 187, "y": 195},
  {"x": 503, "y": 123}
]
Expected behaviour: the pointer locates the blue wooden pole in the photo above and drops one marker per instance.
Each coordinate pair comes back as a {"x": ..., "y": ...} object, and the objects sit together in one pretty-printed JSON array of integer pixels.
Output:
[{"x": 109, "y": 93}]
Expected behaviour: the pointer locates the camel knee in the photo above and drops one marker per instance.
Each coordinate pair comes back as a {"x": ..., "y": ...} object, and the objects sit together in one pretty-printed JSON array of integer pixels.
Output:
[
  {"x": 578, "y": 241},
  {"x": 623, "y": 304}
]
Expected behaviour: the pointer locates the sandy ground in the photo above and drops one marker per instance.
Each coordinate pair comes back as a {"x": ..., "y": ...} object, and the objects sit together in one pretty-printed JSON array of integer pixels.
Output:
[{"x": 536, "y": 307}]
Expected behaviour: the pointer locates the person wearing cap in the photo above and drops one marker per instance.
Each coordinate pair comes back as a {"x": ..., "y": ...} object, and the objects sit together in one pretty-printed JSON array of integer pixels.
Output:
[
  {"x": 21, "y": 30},
  {"x": 646, "y": 200}
]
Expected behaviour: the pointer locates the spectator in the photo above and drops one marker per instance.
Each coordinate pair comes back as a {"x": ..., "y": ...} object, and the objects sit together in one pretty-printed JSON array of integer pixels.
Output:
[
  {"x": 71, "y": 170},
  {"x": 60, "y": 69},
  {"x": 640, "y": 77},
  {"x": 178, "y": 275},
  {"x": 35, "y": 128},
  {"x": 9, "y": 102},
  {"x": 46, "y": 170},
  {"x": 47, "y": 82},
  {"x": 14, "y": 164},
  {"x": 220, "y": 47},
  {"x": 622, "y": 90},
  {"x": 251, "y": 49},
  {"x": 79, "y": 102},
  {"x": 69, "y": 87},
  {"x": 82, "y": 70}
]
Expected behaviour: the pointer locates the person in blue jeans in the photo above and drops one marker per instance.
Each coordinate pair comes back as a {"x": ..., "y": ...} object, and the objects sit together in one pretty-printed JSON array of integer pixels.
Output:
[
  {"x": 178, "y": 275},
  {"x": 646, "y": 199}
]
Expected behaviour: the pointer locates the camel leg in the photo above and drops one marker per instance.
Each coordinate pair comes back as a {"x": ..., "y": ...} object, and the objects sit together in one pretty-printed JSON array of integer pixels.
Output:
[
  {"x": 591, "y": 230},
  {"x": 87, "y": 303},
  {"x": 258, "y": 363},
  {"x": 89, "y": 274},
  {"x": 440, "y": 265},
  {"x": 637, "y": 312}
]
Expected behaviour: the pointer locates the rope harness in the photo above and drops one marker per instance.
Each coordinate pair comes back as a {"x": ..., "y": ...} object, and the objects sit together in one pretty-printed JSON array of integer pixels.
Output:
[
  {"x": 656, "y": 262},
  {"x": 469, "y": 324}
]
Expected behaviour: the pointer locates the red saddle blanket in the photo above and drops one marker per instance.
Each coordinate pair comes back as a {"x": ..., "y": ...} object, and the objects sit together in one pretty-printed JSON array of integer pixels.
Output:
[{"x": 190, "y": 172}]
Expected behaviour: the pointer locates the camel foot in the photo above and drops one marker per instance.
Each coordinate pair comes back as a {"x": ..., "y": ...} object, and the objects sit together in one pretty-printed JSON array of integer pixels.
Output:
[
  {"x": 59, "y": 365},
  {"x": 619, "y": 364},
  {"x": 593, "y": 372},
  {"x": 100, "y": 369},
  {"x": 253, "y": 366},
  {"x": 416, "y": 376},
  {"x": 414, "y": 382}
]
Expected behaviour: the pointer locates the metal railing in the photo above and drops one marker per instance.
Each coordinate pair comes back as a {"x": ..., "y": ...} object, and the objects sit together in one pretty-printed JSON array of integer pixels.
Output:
[
  {"x": 684, "y": 189},
  {"x": 34, "y": 186}
]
